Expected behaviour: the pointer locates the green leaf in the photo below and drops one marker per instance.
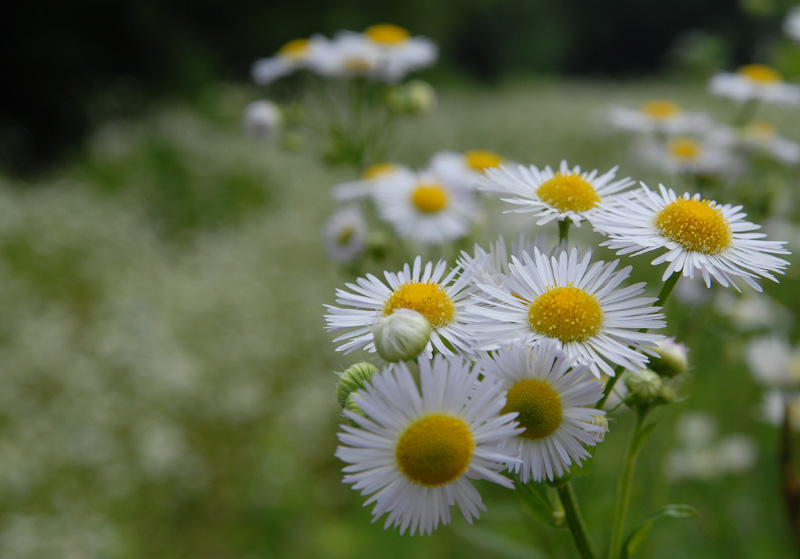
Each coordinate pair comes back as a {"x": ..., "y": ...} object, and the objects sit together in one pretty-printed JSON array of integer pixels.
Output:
[
  {"x": 538, "y": 500},
  {"x": 638, "y": 535}
]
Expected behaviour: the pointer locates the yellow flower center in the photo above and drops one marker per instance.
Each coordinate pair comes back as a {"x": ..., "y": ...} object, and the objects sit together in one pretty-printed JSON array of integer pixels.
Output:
[
  {"x": 760, "y": 73},
  {"x": 660, "y": 109},
  {"x": 435, "y": 450},
  {"x": 294, "y": 49},
  {"x": 481, "y": 159},
  {"x": 538, "y": 406},
  {"x": 696, "y": 225},
  {"x": 429, "y": 197},
  {"x": 569, "y": 192},
  {"x": 684, "y": 149},
  {"x": 357, "y": 65},
  {"x": 567, "y": 313},
  {"x": 378, "y": 171},
  {"x": 428, "y": 299},
  {"x": 387, "y": 34}
]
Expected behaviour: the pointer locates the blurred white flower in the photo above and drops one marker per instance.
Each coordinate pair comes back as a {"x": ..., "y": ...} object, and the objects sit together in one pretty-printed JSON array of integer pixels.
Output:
[
  {"x": 261, "y": 119},
  {"x": 755, "y": 82}
]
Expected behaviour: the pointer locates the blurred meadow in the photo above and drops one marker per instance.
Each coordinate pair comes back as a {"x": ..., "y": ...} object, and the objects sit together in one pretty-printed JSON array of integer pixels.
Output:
[{"x": 167, "y": 379}]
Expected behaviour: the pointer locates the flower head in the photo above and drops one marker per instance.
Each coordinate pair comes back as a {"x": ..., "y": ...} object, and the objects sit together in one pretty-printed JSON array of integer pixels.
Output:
[
  {"x": 553, "y": 397},
  {"x": 755, "y": 82},
  {"x": 578, "y": 303},
  {"x": 550, "y": 195},
  {"x": 697, "y": 235},
  {"x": 344, "y": 235},
  {"x": 414, "y": 451}
]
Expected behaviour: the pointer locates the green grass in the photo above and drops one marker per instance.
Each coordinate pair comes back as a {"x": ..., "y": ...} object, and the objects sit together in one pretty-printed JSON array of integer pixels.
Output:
[{"x": 169, "y": 387}]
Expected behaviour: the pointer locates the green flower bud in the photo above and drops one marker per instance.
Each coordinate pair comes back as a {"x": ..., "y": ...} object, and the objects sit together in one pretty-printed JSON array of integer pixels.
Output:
[
  {"x": 352, "y": 405},
  {"x": 354, "y": 378},
  {"x": 402, "y": 335},
  {"x": 602, "y": 421},
  {"x": 644, "y": 387},
  {"x": 672, "y": 358},
  {"x": 420, "y": 97}
]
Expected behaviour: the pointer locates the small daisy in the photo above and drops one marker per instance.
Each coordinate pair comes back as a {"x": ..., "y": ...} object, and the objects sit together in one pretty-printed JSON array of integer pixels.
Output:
[
  {"x": 549, "y": 195},
  {"x": 774, "y": 362},
  {"x": 296, "y": 54},
  {"x": 464, "y": 170},
  {"x": 657, "y": 116},
  {"x": 761, "y": 136},
  {"x": 366, "y": 185},
  {"x": 791, "y": 25},
  {"x": 439, "y": 298},
  {"x": 554, "y": 406},
  {"x": 425, "y": 209},
  {"x": 566, "y": 299},
  {"x": 261, "y": 119},
  {"x": 344, "y": 235},
  {"x": 352, "y": 55},
  {"x": 414, "y": 454},
  {"x": 695, "y": 155},
  {"x": 399, "y": 52},
  {"x": 698, "y": 236},
  {"x": 755, "y": 82}
]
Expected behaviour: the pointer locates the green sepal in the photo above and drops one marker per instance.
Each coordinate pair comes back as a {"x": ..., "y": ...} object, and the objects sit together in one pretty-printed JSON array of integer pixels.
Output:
[
  {"x": 638, "y": 535},
  {"x": 537, "y": 498}
]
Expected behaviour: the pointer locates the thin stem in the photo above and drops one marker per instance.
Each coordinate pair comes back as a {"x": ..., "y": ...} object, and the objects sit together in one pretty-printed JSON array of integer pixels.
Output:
[
  {"x": 563, "y": 230},
  {"x": 667, "y": 288},
  {"x": 575, "y": 521},
  {"x": 624, "y": 488}
]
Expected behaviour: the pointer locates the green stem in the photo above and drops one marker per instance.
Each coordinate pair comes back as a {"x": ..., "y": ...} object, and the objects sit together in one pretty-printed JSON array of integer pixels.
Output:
[
  {"x": 575, "y": 521},
  {"x": 563, "y": 230},
  {"x": 666, "y": 290},
  {"x": 624, "y": 488}
]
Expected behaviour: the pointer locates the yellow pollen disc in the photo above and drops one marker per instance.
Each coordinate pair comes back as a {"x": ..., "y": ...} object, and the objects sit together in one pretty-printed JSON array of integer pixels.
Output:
[
  {"x": 481, "y": 159},
  {"x": 569, "y": 193},
  {"x": 567, "y": 313},
  {"x": 387, "y": 34},
  {"x": 685, "y": 149},
  {"x": 429, "y": 197},
  {"x": 761, "y": 130},
  {"x": 659, "y": 109},
  {"x": 435, "y": 450},
  {"x": 357, "y": 65},
  {"x": 379, "y": 170},
  {"x": 296, "y": 48},
  {"x": 760, "y": 73},
  {"x": 428, "y": 299},
  {"x": 538, "y": 406},
  {"x": 695, "y": 225}
]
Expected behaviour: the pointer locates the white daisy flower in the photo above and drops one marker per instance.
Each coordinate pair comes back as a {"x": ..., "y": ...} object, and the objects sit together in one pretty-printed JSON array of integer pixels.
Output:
[
  {"x": 366, "y": 185},
  {"x": 555, "y": 406},
  {"x": 791, "y": 25},
  {"x": 464, "y": 170},
  {"x": 439, "y": 298},
  {"x": 344, "y": 235},
  {"x": 696, "y": 155},
  {"x": 261, "y": 119},
  {"x": 414, "y": 453},
  {"x": 566, "y": 299},
  {"x": 761, "y": 136},
  {"x": 352, "y": 55},
  {"x": 296, "y": 54},
  {"x": 399, "y": 52},
  {"x": 698, "y": 236},
  {"x": 423, "y": 208},
  {"x": 773, "y": 361},
  {"x": 657, "y": 116},
  {"x": 755, "y": 82},
  {"x": 549, "y": 195}
]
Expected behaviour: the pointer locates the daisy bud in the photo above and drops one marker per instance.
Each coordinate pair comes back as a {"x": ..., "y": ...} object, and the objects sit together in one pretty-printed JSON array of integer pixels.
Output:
[
  {"x": 645, "y": 387},
  {"x": 354, "y": 378},
  {"x": 600, "y": 421},
  {"x": 402, "y": 335},
  {"x": 672, "y": 358},
  {"x": 352, "y": 405},
  {"x": 261, "y": 119},
  {"x": 420, "y": 97}
]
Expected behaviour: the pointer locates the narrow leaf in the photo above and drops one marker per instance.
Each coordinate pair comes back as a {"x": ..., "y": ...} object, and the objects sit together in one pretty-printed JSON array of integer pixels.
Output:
[{"x": 638, "y": 535}]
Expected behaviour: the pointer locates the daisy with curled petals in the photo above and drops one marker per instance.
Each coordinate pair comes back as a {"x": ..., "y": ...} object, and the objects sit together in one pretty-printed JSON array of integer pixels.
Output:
[
  {"x": 755, "y": 82},
  {"x": 555, "y": 406},
  {"x": 550, "y": 195},
  {"x": 574, "y": 301},
  {"x": 424, "y": 208},
  {"x": 697, "y": 235},
  {"x": 414, "y": 453},
  {"x": 440, "y": 298}
]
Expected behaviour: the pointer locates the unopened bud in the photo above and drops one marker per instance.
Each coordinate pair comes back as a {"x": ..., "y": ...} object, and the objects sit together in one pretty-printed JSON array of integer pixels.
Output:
[
  {"x": 420, "y": 97},
  {"x": 261, "y": 119},
  {"x": 602, "y": 422},
  {"x": 672, "y": 359},
  {"x": 644, "y": 387},
  {"x": 402, "y": 335},
  {"x": 352, "y": 405},
  {"x": 354, "y": 378}
]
